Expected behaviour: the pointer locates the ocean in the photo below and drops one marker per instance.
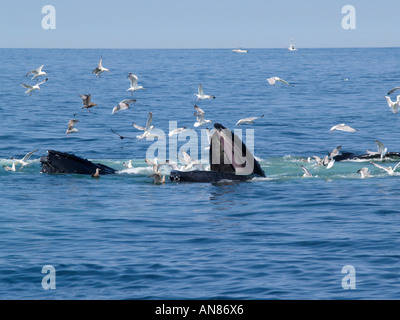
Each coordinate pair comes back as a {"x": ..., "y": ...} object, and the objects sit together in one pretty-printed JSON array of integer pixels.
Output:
[{"x": 124, "y": 237}]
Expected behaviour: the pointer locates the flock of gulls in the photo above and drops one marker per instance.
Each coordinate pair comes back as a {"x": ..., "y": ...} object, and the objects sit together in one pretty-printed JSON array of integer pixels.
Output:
[{"x": 188, "y": 163}]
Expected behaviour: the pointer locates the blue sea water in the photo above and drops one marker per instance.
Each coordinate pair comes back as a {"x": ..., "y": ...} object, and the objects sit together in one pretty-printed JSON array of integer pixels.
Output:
[{"x": 123, "y": 237}]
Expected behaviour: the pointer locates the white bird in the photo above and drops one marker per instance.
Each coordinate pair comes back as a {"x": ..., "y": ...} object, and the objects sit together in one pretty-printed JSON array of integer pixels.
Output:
[
  {"x": 248, "y": 120},
  {"x": 100, "y": 69},
  {"x": 188, "y": 162},
  {"x": 24, "y": 161},
  {"x": 128, "y": 165},
  {"x": 199, "y": 114},
  {"x": 389, "y": 169},
  {"x": 134, "y": 83},
  {"x": 36, "y": 73},
  {"x": 364, "y": 173},
  {"x": 12, "y": 168},
  {"x": 177, "y": 131},
  {"x": 381, "y": 149},
  {"x": 201, "y": 96},
  {"x": 306, "y": 172},
  {"x": 342, "y": 127},
  {"x": 335, "y": 152},
  {"x": 273, "y": 80},
  {"x": 147, "y": 130},
  {"x": 393, "y": 105},
  {"x": 330, "y": 164},
  {"x": 71, "y": 128},
  {"x": 123, "y": 105},
  {"x": 33, "y": 88},
  {"x": 393, "y": 90}
]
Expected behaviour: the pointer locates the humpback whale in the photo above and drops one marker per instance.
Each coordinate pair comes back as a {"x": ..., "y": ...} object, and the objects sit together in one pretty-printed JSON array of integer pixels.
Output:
[
  {"x": 61, "y": 162},
  {"x": 351, "y": 156},
  {"x": 230, "y": 159}
]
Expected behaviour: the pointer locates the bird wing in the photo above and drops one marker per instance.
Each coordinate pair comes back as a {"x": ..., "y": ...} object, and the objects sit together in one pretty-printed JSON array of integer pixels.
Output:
[
  {"x": 198, "y": 110},
  {"x": 26, "y": 86},
  {"x": 149, "y": 120},
  {"x": 138, "y": 127},
  {"x": 28, "y": 155},
  {"x": 128, "y": 101},
  {"x": 380, "y": 145},
  {"x": 200, "y": 90},
  {"x": 149, "y": 162},
  {"x": 85, "y": 99},
  {"x": 71, "y": 123},
  {"x": 45, "y": 80},
  {"x": 271, "y": 81},
  {"x": 306, "y": 172},
  {"x": 100, "y": 62},
  {"x": 283, "y": 81},
  {"x": 133, "y": 79},
  {"x": 380, "y": 167},
  {"x": 396, "y": 166},
  {"x": 393, "y": 90},
  {"x": 38, "y": 70}
]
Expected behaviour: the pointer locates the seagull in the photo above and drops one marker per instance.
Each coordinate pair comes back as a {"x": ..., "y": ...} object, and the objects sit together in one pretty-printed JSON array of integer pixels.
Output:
[
  {"x": 381, "y": 149},
  {"x": 24, "y": 161},
  {"x": 389, "y": 169},
  {"x": 86, "y": 101},
  {"x": 248, "y": 120},
  {"x": 71, "y": 128},
  {"x": 334, "y": 152},
  {"x": 134, "y": 86},
  {"x": 120, "y": 136},
  {"x": 12, "y": 168},
  {"x": 393, "y": 105},
  {"x": 36, "y": 73},
  {"x": 330, "y": 164},
  {"x": 124, "y": 104},
  {"x": 189, "y": 162},
  {"x": 306, "y": 172},
  {"x": 96, "y": 174},
  {"x": 157, "y": 178},
  {"x": 128, "y": 165},
  {"x": 201, "y": 96},
  {"x": 147, "y": 129},
  {"x": 342, "y": 127},
  {"x": 273, "y": 80},
  {"x": 177, "y": 131},
  {"x": 199, "y": 114},
  {"x": 393, "y": 90},
  {"x": 100, "y": 69},
  {"x": 364, "y": 173},
  {"x": 32, "y": 88}
]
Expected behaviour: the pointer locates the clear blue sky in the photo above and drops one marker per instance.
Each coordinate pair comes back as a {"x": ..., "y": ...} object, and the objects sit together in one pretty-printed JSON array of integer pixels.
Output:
[{"x": 198, "y": 24}]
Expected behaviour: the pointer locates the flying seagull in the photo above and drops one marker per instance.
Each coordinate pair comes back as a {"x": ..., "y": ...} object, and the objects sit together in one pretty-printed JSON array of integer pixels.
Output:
[
  {"x": 273, "y": 80},
  {"x": 86, "y": 101},
  {"x": 389, "y": 169},
  {"x": 342, "y": 127},
  {"x": 100, "y": 69},
  {"x": 124, "y": 104},
  {"x": 71, "y": 128},
  {"x": 134, "y": 83},
  {"x": 199, "y": 114},
  {"x": 201, "y": 96},
  {"x": 120, "y": 136},
  {"x": 335, "y": 152},
  {"x": 36, "y": 73},
  {"x": 176, "y": 131},
  {"x": 248, "y": 120},
  {"x": 24, "y": 161},
  {"x": 393, "y": 90},
  {"x": 147, "y": 129},
  {"x": 32, "y": 88},
  {"x": 364, "y": 173},
  {"x": 393, "y": 105}
]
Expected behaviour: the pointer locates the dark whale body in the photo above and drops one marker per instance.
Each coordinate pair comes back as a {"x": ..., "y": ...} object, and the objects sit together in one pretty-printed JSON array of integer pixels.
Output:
[
  {"x": 351, "y": 156},
  {"x": 61, "y": 162}
]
